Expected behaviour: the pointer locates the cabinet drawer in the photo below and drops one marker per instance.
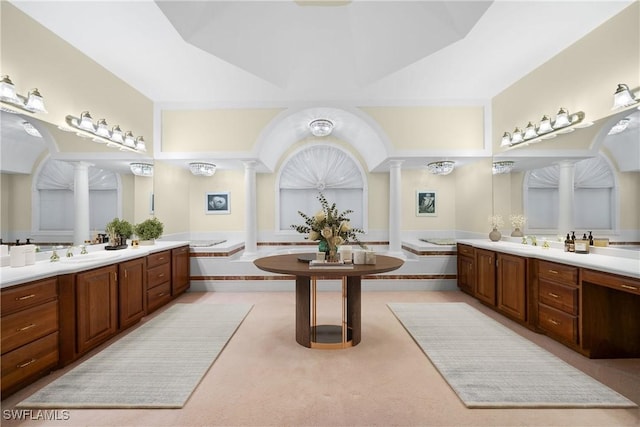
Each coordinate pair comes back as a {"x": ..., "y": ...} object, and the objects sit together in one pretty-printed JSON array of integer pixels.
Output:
[
  {"x": 158, "y": 275},
  {"x": 157, "y": 259},
  {"x": 24, "y": 296},
  {"x": 158, "y": 296},
  {"x": 561, "y": 273},
  {"x": 558, "y": 323},
  {"x": 625, "y": 284},
  {"x": 29, "y": 360},
  {"x": 563, "y": 298},
  {"x": 465, "y": 250},
  {"x": 28, "y": 325}
]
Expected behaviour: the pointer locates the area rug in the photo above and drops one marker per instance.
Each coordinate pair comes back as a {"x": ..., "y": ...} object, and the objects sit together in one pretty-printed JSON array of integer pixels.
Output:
[
  {"x": 158, "y": 365},
  {"x": 490, "y": 366}
]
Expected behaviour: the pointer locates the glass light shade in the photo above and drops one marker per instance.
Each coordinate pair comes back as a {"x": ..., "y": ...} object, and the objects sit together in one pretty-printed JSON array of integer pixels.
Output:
[
  {"x": 86, "y": 122},
  {"x": 8, "y": 91},
  {"x": 102, "y": 129},
  {"x": 140, "y": 145},
  {"x": 35, "y": 102},
  {"x": 623, "y": 97},
  {"x": 545, "y": 125},
  {"x": 502, "y": 167},
  {"x": 562, "y": 119},
  {"x": 321, "y": 127},
  {"x": 202, "y": 169},
  {"x": 28, "y": 128},
  {"x": 141, "y": 169},
  {"x": 129, "y": 140},
  {"x": 517, "y": 136},
  {"x": 530, "y": 131},
  {"x": 117, "y": 135},
  {"x": 441, "y": 168},
  {"x": 506, "y": 140}
]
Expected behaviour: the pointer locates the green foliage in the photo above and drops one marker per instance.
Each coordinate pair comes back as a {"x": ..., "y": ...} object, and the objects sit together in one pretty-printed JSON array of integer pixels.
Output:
[
  {"x": 121, "y": 227},
  {"x": 149, "y": 229}
]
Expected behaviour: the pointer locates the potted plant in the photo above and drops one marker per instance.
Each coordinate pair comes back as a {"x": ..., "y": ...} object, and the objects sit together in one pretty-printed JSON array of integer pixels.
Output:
[
  {"x": 119, "y": 230},
  {"x": 149, "y": 230}
]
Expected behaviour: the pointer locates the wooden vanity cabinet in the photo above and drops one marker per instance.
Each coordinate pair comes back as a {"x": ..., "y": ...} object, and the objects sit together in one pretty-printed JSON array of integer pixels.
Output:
[
  {"x": 29, "y": 333},
  {"x": 180, "y": 270},
  {"x": 466, "y": 269},
  {"x": 558, "y": 308},
  {"x": 486, "y": 276},
  {"x": 158, "y": 280},
  {"x": 132, "y": 291},
  {"x": 511, "y": 286}
]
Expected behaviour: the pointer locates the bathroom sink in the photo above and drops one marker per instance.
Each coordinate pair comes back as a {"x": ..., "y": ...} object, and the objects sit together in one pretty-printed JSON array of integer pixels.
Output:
[{"x": 90, "y": 257}]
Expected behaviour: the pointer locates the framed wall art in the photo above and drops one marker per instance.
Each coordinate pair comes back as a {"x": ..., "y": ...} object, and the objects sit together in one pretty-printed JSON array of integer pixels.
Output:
[
  {"x": 426, "y": 203},
  {"x": 217, "y": 203}
]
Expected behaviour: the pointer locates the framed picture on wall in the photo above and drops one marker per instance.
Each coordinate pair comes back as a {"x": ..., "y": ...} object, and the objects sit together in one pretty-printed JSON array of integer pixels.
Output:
[
  {"x": 217, "y": 203},
  {"x": 426, "y": 203}
]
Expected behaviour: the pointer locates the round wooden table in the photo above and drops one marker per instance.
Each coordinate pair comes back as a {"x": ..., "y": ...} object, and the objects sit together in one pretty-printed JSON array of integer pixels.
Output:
[{"x": 308, "y": 333}]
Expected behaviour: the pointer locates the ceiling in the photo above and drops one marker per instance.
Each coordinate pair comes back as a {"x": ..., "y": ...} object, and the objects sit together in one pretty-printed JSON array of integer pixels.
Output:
[{"x": 319, "y": 54}]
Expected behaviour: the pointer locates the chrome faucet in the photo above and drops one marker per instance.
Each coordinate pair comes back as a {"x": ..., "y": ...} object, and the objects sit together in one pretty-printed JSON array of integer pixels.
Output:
[
  {"x": 70, "y": 252},
  {"x": 534, "y": 240}
]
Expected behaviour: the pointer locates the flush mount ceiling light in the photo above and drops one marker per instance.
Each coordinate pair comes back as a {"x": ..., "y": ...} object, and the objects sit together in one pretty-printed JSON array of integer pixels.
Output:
[
  {"x": 321, "y": 127},
  {"x": 141, "y": 169},
  {"x": 202, "y": 169},
  {"x": 502, "y": 167},
  {"x": 623, "y": 97},
  {"x": 546, "y": 129},
  {"x": 28, "y": 128},
  {"x": 441, "y": 168},
  {"x": 32, "y": 103},
  {"x": 621, "y": 126},
  {"x": 100, "y": 133}
]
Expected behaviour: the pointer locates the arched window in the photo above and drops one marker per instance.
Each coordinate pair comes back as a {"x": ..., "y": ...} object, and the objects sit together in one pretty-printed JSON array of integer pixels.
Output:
[
  {"x": 321, "y": 168},
  {"x": 53, "y": 198},
  {"x": 594, "y": 197}
]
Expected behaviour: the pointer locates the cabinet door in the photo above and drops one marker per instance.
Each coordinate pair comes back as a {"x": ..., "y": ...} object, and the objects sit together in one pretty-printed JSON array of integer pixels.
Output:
[
  {"x": 180, "y": 270},
  {"x": 512, "y": 286},
  {"x": 466, "y": 274},
  {"x": 132, "y": 292},
  {"x": 486, "y": 276},
  {"x": 96, "y": 307}
]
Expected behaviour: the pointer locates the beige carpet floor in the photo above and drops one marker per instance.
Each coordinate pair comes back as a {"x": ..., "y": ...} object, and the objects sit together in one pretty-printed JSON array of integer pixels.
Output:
[{"x": 263, "y": 378}]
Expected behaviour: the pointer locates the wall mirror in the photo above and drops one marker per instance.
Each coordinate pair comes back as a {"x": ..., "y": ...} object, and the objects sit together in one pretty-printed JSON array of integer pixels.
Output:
[
  {"x": 605, "y": 175},
  {"x": 37, "y": 165}
]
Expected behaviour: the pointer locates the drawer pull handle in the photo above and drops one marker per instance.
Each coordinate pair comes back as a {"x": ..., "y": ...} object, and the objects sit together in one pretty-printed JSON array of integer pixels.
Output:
[
  {"x": 633, "y": 288},
  {"x": 161, "y": 275},
  {"x": 25, "y": 364},
  {"x": 161, "y": 258},
  {"x": 24, "y": 297},
  {"x": 161, "y": 294},
  {"x": 553, "y": 271},
  {"x": 24, "y": 328},
  {"x": 554, "y": 322},
  {"x": 551, "y": 294}
]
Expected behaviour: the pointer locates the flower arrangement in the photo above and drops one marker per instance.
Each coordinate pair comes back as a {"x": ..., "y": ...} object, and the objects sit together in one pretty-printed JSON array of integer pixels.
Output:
[
  {"x": 328, "y": 226},
  {"x": 496, "y": 221},
  {"x": 517, "y": 221}
]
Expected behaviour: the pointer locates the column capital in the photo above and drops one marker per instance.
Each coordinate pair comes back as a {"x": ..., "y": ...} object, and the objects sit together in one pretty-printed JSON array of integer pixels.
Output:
[{"x": 395, "y": 163}]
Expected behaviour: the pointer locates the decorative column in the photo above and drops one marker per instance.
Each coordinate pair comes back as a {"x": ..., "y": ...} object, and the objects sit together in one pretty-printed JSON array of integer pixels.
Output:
[
  {"x": 250, "y": 207},
  {"x": 395, "y": 208},
  {"x": 81, "y": 226},
  {"x": 565, "y": 197}
]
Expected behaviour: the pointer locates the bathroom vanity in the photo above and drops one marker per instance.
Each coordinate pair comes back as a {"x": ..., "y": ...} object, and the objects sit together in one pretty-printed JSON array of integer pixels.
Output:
[
  {"x": 54, "y": 313},
  {"x": 589, "y": 302}
]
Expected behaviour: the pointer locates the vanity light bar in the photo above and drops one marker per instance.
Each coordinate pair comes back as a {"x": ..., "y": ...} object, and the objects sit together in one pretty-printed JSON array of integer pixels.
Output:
[
  {"x": 32, "y": 103},
  {"x": 546, "y": 129},
  {"x": 100, "y": 133}
]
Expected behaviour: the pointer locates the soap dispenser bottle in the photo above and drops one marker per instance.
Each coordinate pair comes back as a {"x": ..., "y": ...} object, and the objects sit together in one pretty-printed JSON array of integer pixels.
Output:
[
  {"x": 567, "y": 241},
  {"x": 572, "y": 242},
  {"x": 590, "y": 239}
]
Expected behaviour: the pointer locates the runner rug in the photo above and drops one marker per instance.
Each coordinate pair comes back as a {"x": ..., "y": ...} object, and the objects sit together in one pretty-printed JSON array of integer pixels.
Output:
[
  {"x": 490, "y": 366},
  {"x": 157, "y": 365}
]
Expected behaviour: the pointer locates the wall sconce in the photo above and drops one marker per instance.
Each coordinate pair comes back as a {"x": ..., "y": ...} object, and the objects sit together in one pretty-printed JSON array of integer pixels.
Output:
[
  {"x": 501, "y": 167},
  {"x": 100, "y": 133},
  {"x": 141, "y": 169},
  {"x": 321, "y": 127},
  {"x": 546, "y": 129},
  {"x": 623, "y": 97},
  {"x": 441, "y": 168},
  {"x": 32, "y": 103},
  {"x": 202, "y": 169}
]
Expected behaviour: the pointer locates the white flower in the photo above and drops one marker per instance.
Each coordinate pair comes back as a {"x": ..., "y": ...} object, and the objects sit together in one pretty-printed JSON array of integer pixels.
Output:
[
  {"x": 517, "y": 221},
  {"x": 345, "y": 226},
  {"x": 326, "y": 232},
  {"x": 320, "y": 216},
  {"x": 314, "y": 235},
  {"x": 496, "y": 221}
]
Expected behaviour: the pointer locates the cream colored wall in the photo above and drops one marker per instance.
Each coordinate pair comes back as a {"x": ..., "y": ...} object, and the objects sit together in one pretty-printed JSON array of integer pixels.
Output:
[
  {"x": 16, "y": 203},
  {"x": 171, "y": 194},
  {"x": 231, "y": 181},
  {"x": 445, "y": 188},
  {"x": 473, "y": 196},
  {"x": 583, "y": 77},
  {"x": 436, "y": 128}
]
